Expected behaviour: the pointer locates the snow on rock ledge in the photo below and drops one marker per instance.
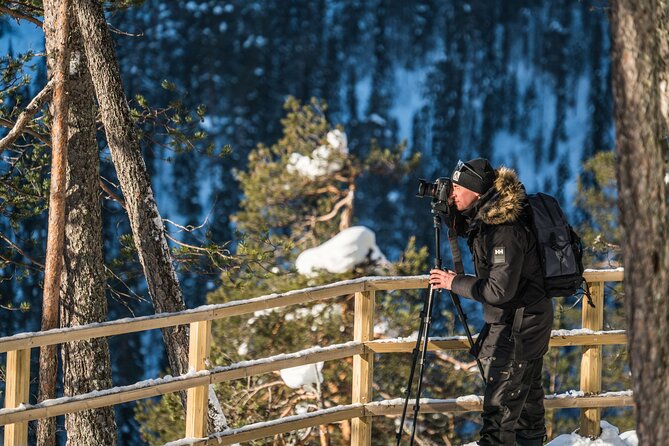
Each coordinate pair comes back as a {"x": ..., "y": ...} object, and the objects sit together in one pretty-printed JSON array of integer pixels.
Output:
[{"x": 341, "y": 253}]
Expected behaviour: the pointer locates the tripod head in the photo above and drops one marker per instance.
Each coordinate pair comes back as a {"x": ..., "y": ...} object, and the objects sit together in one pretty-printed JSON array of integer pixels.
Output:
[{"x": 441, "y": 209}]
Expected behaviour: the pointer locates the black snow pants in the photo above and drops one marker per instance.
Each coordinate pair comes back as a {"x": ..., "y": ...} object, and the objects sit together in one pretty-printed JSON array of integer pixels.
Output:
[{"x": 513, "y": 403}]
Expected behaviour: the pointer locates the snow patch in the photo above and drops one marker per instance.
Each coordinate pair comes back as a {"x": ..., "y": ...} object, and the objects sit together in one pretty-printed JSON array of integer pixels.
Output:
[
  {"x": 338, "y": 140},
  {"x": 341, "y": 253},
  {"x": 243, "y": 349},
  {"x": 610, "y": 437},
  {"x": 302, "y": 375},
  {"x": 583, "y": 331}
]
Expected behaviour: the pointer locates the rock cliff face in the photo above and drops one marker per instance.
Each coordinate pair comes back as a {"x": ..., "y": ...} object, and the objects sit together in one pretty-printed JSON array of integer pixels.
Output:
[{"x": 523, "y": 83}]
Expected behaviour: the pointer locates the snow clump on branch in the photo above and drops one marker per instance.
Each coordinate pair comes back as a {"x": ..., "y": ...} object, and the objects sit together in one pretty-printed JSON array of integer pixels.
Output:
[
  {"x": 343, "y": 252},
  {"x": 323, "y": 160}
]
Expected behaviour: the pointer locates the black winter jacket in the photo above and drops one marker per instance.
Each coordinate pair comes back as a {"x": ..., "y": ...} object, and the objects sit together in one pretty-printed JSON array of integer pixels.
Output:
[{"x": 508, "y": 270}]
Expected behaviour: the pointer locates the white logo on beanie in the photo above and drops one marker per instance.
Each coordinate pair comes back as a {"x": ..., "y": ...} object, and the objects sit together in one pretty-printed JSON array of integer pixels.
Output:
[{"x": 456, "y": 175}]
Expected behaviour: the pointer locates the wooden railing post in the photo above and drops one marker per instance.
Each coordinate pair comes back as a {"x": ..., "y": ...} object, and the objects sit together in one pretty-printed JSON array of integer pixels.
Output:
[
  {"x": 16, "y": 393},
  {"x": 363, "y": 366},
  {"x": 591, "y": 362},
  {"x": 197, "y": 397}
]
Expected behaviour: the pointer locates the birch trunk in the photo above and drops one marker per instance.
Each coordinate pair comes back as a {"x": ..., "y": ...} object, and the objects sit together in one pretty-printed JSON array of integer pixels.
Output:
[{"x": 639, "y": 65}]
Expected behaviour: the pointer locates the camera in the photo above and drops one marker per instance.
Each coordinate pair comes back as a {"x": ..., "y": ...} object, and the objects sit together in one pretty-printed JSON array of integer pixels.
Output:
[{"x": 440, "y": 190}]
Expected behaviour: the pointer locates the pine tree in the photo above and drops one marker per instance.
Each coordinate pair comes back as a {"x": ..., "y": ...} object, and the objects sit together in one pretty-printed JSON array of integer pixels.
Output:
[
  {"x": 640, "y": 55},
  {"x": 283, "y": 212}
]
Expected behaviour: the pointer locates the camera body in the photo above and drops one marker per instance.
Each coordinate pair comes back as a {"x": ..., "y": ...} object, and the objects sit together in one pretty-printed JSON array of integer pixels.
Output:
[{"x": 439, "y": 191}]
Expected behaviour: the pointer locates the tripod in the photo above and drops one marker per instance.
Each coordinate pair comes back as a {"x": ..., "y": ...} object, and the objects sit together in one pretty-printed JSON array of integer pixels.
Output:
[{"x": 424, "y": 329}]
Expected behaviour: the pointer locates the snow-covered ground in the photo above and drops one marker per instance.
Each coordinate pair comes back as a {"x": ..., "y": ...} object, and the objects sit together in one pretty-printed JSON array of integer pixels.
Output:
[{"x": 611, "y": 436}]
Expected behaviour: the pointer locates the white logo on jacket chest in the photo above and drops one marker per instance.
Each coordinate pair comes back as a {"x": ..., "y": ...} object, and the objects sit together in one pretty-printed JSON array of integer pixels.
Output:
[{"x": 499, "y": 255}]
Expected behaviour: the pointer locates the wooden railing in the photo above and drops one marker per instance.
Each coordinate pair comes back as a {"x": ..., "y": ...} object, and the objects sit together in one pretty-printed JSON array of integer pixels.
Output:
[{"x": 362, "y": 349}]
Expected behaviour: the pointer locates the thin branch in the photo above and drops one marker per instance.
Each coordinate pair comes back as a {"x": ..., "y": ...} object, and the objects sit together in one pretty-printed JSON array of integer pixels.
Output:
[
  {"x": 41, "y": 138},
  {"x": 189, "y": 228},
  {"x": 26, "y": 115},
  {"x": 111, "y": 194},
  {"x": 123, "y": 33},
  {"x": 18, "y": 15},
  {"x": 19, "y": 264},
  {"x": 130, "y": 293},
  {"x": 28, "y": 5},
  {"x": 197, "y": 248},
  {"x": 20, "y": 251}
]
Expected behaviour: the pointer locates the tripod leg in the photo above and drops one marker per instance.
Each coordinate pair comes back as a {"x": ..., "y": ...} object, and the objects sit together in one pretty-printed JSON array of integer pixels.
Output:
[
  {"x": 426, "y": 322},
  {"x": 463, "y": 319},
  {"x": 414, "y": 360}
]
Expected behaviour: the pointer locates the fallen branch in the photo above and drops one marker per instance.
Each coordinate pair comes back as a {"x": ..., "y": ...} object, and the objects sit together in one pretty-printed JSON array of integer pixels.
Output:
[{"x": 26, "y": 115}]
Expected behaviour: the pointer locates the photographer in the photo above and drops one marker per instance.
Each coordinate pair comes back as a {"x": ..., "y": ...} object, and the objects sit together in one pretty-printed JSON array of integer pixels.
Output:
[{"x": 491, "y": 212}]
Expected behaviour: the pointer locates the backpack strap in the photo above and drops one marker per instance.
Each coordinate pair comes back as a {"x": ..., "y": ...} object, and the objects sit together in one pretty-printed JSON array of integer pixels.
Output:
[{"x": 455, "y": 252}]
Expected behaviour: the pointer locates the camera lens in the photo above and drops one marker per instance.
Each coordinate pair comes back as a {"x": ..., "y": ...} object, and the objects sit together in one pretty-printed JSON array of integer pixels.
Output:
[{"x": 425, "y": 188}]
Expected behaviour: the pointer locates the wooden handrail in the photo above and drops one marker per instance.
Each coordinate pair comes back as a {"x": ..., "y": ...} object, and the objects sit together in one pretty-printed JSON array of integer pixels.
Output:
[
  {"x": 245, "y": 369},
  {"x": 155, "y": 387},
  {"x": 207, "y": 312},
  {"x": 235, "y": 308},
  {"x": 616, "y": 337},
  {"x": 389, "y": 408}
]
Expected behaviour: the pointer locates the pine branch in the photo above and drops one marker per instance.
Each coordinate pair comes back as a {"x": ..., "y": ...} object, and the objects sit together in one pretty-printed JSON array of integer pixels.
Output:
[
  {"x": 346, "y": 201},
  {"x": 18, "y": 15},
  {"x": 20, "y": 251},
  {"x": 28, "y": 131},
  {"x": 26, "y": 115}
]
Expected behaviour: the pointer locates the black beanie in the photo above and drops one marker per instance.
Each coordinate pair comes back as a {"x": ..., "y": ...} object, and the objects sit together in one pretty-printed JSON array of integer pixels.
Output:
[{"x": 477, "y": 175}]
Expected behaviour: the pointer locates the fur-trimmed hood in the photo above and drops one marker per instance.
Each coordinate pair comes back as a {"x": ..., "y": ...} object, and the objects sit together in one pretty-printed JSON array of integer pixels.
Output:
[{"x": 504, "y": 202}]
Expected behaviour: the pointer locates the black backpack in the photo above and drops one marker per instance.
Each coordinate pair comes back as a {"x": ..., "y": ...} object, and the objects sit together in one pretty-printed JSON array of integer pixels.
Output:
[{"x": 560, "y": 248}]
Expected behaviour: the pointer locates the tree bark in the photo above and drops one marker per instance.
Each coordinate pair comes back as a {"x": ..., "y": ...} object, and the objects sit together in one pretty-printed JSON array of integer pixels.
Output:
[
  {"x": 145, "y": 221},
  {"x": 638, "y": 68},
  {"x": 56, "y": 33},
  {"x": 86, "y": 364}
]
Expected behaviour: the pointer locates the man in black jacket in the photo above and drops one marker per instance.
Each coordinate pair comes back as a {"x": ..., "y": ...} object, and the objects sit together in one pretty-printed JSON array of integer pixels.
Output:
[{"x": 492, "y": 214}]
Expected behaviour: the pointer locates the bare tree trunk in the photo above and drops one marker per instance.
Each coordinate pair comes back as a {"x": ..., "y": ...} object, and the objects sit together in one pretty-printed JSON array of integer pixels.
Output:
[
  {"x": 637, "y": 71},
  {"x": 145, "y": 221},
  {"x": 56, "y": 32},
  {"x": 86, "y": 364},
  {"x": 663, "y": 39}
]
